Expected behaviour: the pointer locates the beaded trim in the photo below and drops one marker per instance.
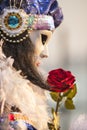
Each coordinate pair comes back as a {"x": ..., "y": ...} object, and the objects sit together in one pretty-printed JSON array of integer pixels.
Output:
[
  {"x": 13, "y": 22},
  {"x": 13, "y": 38}
]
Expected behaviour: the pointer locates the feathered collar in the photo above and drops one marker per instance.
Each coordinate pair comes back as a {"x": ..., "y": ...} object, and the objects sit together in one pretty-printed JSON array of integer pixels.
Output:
[{"x": 17, "y": 90}]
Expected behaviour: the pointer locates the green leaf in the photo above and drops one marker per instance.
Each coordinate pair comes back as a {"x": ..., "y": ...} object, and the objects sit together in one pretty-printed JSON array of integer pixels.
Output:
[
  {"x": 69, "y": 104},
  {"x": 54, "y": 96},
  {"x": 66, "y": 93},
  {"x": 71, "y": 92}
]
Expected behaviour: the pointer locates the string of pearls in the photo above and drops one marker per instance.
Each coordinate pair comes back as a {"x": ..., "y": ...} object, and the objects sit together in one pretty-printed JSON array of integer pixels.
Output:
[{"x": 13, "y": 41}]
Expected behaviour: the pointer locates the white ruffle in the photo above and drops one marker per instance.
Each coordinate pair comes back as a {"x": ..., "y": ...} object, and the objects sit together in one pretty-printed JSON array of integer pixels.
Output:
[{"x": 18, "y": 91}]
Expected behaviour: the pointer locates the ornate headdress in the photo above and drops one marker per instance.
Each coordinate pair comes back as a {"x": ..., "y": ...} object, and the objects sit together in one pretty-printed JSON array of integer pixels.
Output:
[{"x": 17, "y": 16}]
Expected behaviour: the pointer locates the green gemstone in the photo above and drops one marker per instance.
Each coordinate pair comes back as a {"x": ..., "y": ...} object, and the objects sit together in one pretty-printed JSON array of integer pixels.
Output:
[{"x": 31, "y": 20}]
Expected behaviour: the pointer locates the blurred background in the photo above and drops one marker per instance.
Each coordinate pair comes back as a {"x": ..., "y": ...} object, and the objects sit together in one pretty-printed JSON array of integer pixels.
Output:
[{"x": 68, "y": 50}]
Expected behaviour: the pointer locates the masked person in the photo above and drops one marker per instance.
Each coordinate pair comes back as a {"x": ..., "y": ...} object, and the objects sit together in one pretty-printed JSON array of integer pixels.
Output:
[{"x": 25, "y": 29}]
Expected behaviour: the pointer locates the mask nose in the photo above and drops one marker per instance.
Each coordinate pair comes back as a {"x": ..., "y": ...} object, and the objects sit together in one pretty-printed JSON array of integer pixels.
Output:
[{"x": 44, "y": 53}]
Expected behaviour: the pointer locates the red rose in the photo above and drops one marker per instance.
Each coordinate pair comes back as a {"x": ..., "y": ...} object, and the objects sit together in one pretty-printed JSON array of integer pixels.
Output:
[{"x": 60, "y": 80}]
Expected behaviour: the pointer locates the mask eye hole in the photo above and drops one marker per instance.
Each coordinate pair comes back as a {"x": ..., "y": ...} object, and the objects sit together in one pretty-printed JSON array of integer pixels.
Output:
[{"x": 44, "y": 38}]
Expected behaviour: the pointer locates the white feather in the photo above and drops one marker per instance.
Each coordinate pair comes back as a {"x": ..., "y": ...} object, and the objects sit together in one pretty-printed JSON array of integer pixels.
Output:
[{"x": 18, "y": 91}]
